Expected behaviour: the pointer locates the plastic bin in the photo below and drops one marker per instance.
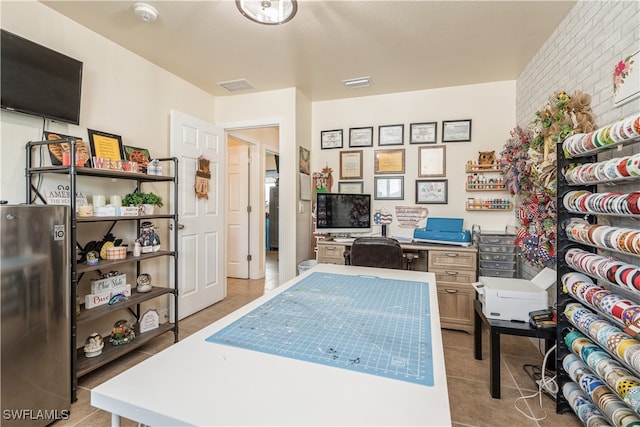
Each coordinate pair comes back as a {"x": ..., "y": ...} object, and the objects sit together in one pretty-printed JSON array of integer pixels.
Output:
[
  {"x": 497, "y": 248},
  {"x": 497, "y": 257},
  {"x": 306, "y": 265},
  {"x": 498, "y": 265},
  {"x": 497, "y": 273},
  {"x": 497, "y": 239}
]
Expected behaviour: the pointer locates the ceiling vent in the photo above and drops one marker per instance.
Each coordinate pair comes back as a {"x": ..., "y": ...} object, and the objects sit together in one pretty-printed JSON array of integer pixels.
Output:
[
  {"x": 359, "y": 82},
  {"x": 236, "y": 85}
]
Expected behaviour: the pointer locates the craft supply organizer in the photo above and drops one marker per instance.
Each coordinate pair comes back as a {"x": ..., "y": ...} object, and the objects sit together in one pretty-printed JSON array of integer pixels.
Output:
[{"x": 598, "y": 275}]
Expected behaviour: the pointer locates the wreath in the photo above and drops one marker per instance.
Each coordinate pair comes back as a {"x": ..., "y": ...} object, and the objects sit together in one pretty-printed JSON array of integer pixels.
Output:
[{"x": 529, "y": 161}]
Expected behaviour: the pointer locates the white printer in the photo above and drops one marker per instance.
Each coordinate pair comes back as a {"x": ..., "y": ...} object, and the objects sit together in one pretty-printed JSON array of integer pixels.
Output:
[{"x": 513, "y": 299}]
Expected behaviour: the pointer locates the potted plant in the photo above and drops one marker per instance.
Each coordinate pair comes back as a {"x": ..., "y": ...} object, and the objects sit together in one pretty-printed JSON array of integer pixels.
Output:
[{"x": 147, "y": 200}]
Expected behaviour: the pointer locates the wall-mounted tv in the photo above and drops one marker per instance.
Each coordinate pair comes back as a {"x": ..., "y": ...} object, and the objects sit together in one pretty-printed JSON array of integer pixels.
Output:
[
  {"x": 39, "y": 81},
  {"x": 343, "y": 213}
]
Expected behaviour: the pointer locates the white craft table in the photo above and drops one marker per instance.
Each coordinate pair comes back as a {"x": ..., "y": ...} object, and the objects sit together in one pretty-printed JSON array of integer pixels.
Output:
[{"x": 195, "y": 382}]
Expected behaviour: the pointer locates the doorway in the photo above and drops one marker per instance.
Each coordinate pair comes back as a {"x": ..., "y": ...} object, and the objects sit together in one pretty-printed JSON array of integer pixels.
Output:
[{"x": 251, "y": 251}]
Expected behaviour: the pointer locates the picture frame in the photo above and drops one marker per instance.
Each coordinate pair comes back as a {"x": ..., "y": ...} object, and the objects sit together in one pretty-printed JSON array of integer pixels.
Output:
[
  {"x": 391, "y": 135},
  {"x": 423, "y": 133},
  {"x": 351, "y": 187},
  {"x": 139, "y": 155},
  {"x": 456, "y": 130},
  {"x": 434, "y": 191},
  {"x": 105, "y": 145},
  {"x": 57, "y": 149},
  {"x": 351, "y": 164},
  {"x": 389, "y": 161},
  {"x": 361, "y": 137},
  {"x": 388, "y": 188},
  {"x": 432, "y": 161},
  {"x": 626, "y": 79},
  {"x": 304, "y": 163},
  {"x": 330, "y": 139}
]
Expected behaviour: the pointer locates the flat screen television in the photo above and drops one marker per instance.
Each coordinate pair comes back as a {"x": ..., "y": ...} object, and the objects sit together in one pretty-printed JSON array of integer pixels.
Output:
[
  {"x": 343, "y": 213},
  {"x": 39, "y": 81}
]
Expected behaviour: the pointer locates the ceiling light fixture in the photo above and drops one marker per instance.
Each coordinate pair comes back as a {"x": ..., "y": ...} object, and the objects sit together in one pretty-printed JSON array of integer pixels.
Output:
[
  {"x": 359, "y": 82},
  {"x": 145, "y": 12},
  {"x": 268, "y": 12}
]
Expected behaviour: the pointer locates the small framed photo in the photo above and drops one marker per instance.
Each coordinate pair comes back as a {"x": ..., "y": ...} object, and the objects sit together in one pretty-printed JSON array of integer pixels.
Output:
[
  {"x": 431, "y": 191},
  {"x": 391, "y": 135},
  {"x": 351, "y": 187},
  {"x": 105, "y": 145},
  {"x": 423, "y": 133},
  {"x": 331, "y": 139},
  {"x": 351, "y": 164},
  {"x": 432, "y": 161},
  {"x": 389, "y": 188},
  {"x": 456, "y": 130},
  {"x": 361, "y": 137},
  {"x": 389, "y": 161},
  {"x": 139, "y": 155}
]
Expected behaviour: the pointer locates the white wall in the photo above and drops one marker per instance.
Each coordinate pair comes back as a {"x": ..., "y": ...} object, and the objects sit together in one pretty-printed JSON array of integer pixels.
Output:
[
  {"x": 266, "y": 109},
  {"x": 579, "y": 57},
  {"x": 491, "y": 107},
  {"x": 122, "y": 94}
]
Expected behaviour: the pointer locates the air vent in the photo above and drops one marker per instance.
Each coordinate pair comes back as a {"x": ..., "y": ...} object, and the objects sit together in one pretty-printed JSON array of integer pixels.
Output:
[
  {"x": 236, "y": 85},
  {"x": 359, "y": 82}
]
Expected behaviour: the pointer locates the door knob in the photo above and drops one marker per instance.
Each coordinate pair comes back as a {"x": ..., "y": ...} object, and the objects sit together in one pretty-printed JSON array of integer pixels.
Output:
[{"x": 180, "y": 226}]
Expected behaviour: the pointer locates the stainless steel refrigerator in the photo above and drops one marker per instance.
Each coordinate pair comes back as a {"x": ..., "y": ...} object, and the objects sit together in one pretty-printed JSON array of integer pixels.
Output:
[{"x": 36, "y": 318}]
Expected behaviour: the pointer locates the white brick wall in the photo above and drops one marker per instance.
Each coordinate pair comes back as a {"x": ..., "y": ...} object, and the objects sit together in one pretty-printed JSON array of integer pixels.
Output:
[{"x": 580, "y": 55}]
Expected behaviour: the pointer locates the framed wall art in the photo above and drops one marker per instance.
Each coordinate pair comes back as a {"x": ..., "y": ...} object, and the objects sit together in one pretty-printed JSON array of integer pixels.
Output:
[
  {"x": 59, "y": 151},
  {"x": 431, "y": 191},
  {"x": 361, "y": 137},
  {"x": 391, "y": 135},
  {"x": 432, "y": 161},
  {"x": 456, "y": 130},
  {"x": 305, "y": 161},
  {"x": 139, "y": 155},
  {"x": 351, "y": 187},
  {"x": 389, "y": 188},
  {"x": 331, "y": 139},
  {"x": 423, "y": 133},
  {"x": 351, "y": 164},
  {"x": 389, "y": 161},
  {"x": 105, "y": 145},
  {"x": 626, "y": 79}
]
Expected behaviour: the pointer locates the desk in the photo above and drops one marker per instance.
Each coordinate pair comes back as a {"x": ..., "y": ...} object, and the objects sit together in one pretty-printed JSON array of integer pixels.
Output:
[
  {"x": 195, "y": 382},
  {"x": 496, "y": 328}
]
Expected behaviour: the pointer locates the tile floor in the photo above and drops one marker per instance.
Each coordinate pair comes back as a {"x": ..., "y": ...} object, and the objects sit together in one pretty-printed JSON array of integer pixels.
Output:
[{"x": 470, "y": 401}]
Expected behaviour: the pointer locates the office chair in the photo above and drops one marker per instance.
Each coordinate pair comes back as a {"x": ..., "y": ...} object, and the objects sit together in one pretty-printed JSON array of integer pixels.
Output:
[{"x": 383, "y": 252}]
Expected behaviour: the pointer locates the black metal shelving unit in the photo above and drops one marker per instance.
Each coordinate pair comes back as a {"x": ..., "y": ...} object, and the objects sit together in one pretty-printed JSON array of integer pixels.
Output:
[
  {"x": 564, "y": 244},
  {"x": 79, "y": 364}
]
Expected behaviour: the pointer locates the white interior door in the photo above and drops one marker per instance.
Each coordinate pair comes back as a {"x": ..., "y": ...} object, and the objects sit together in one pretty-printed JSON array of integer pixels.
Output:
[
  {"x": 201, "y": 240},
  {"x": 238, "y": 194}
]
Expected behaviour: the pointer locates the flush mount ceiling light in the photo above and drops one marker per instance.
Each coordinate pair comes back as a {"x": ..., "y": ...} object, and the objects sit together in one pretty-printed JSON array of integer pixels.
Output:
[
  {"x": 268, "y": 12},
  {"x": 145, "y": 12},
  {"x": 359, "y": 82}
]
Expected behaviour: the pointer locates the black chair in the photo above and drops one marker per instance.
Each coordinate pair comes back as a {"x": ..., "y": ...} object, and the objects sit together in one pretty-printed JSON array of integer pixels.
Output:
[{"x": 383, "y": 252}]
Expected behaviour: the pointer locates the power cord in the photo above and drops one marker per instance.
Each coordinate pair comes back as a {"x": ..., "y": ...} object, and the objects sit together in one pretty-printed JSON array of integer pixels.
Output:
[{"x": 546, "y": 385}]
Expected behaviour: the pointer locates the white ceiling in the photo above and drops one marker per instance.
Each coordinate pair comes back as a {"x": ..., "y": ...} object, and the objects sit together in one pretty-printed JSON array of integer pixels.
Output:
[{"x": 402, "y": 45}]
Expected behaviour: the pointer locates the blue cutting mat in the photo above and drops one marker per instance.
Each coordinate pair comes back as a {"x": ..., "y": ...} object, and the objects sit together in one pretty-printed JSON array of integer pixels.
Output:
[{"x": 361, "y": 323}]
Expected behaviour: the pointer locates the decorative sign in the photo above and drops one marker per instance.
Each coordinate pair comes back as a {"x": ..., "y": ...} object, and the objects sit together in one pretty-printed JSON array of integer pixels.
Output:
[
  {"x": 410, "y": 216},
  {"x": 149, "y": 321},
  {"x": 62, "y": 196}
]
